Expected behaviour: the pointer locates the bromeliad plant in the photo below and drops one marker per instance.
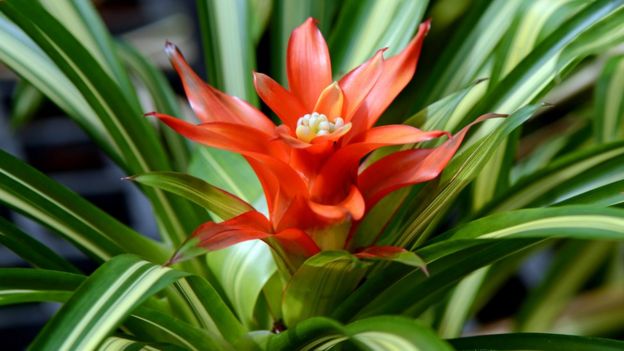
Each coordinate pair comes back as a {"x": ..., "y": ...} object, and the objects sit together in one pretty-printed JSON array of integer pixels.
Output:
[
  {"x": 347, "y": 254},
  {"x": 309, "y": 165}
]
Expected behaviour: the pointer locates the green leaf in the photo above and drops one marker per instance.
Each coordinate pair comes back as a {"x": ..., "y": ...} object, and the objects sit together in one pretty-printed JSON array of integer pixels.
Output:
[
  {"x": 102, "y": 302},
  {"x": 469, "y": 49},
  {"x": 163, "y": 98},
  {"x": 436, "y": 197},
  {"x": 137, "y": 147},
  {"x": 575, "y": 263},
  {"x": 399, "y": 289},
  {"x": 22, "y": 285},
  {"x": 601, "y": 37},
  {"x": 364, "y": 27},
  {"x": 23, "y": 56},
  {"x": 25, "y": 103},
  {"x": 243, "y": 270},
  {"x": 288, "y": 15},
  {"x": 116, "y": 343},
  {"x": 438, "y": 115},
  {"x": 568, "y": 177},
  {"x": 83, "y": 21},
  {"x": 607, "y": 195},
  {"x": 323, "y": 281},
  {"x": 535, "y": 341},
  {"x": 609, "y": 103},
  {"x": 227, "y": 41},
  {"x": 220, "y": 202},
  {"x": 378, "y": 333},
  {"x": 579, "y": 222},
  {"x": 92, "y": 230},
  {"x": 530, "y": 79},
  {"x": 155, "y": 326},
  {"x": 228, "y": 171},
  {"x": 31, "y": 250},
  {"x": 210, "y": 309}
]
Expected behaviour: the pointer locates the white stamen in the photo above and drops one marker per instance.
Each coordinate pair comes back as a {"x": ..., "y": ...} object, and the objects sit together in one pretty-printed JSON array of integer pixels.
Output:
[{"x": 316, "y": 124}]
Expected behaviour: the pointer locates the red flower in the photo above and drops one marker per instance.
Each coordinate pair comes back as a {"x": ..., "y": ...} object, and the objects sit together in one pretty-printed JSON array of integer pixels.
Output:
[{"x": 309, "y": 165}]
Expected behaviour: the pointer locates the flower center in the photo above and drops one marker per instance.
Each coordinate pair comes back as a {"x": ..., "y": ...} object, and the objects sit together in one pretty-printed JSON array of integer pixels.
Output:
[{"x": 316, "y": 124}]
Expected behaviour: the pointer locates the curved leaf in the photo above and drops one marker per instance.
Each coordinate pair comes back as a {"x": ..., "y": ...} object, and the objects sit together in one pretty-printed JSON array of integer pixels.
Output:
[
  {"x": 377, "y": 333},
  {"x": 536, "y": 341},
  {"x": 91, "y": 229},
  {"x": 570, "y": 176},
  {"x": 21, "y": 285},
  {"x": 323, "y": 281},
  {"x": 608, "y": 99},
  {"x": 579, "y": 222},
  {"x": 31, "y": 250},
  {"x": 101, "y": 303},
  {"x": 220, "y": 202},
  {"x": 243, "y": 270}
]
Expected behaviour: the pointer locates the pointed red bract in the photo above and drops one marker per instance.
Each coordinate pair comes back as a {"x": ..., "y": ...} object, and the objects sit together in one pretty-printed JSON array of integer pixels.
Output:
[
  {"x": 410, "y": 167},
  {"x": 307, "y": 64},
  {"x": 311, "y": 176},
  {"x": 358, "y": 83},
  {"x": 286, "y": 106},
  {"x": 397, "y": 72},
  {"x": 211, "y": 105}
]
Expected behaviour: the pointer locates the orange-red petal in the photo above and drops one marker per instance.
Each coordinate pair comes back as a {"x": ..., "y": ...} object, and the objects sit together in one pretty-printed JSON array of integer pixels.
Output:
[
  {"x": 341, "y": 168},
  {"x": 409, "y": 167},
  {"x": 247, "y": 226},
  {"x": 228, "y": 136},
  {"x": 211, "y": 105},
  {"x": 308, "y": 65},
  {"x": 353, "y": 205},
  {"x": 397, "y": 72},
  {"x": 296, "y": 241},
  {"x": 358, "y": 83},
  {"x": 286, "y": 106}
]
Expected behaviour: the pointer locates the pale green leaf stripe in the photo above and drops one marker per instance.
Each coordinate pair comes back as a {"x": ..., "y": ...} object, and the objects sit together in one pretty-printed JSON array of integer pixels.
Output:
[
  {"x": 22, "y": 55},
  {"x": 365, "y": 26},
  {"x": 613, "y": 226},
  {"x": 220, "y": 202},
  {"x": 160, "y": 327},
  {"x": 466, "y": 54},
  {"x": 21, "y": 285},
  {"x": 333, "y": 274},
  {"x": 213, "y": 314},
  {"x": 529, "y": 190},
  {"x": 609, "y": 102},
  {"x": 101, "y": 303},
  {"x": 579, "y": 222},
  {"x": 84, "y": 22},
  {"x": 385, "y": 333},
  {"x": 228, "y": 48},
  {"x": 140, "y": 154}
]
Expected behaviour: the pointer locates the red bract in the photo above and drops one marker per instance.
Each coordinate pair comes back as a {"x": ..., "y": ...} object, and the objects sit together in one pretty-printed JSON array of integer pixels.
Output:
[{"x": 309, "y": 165}]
